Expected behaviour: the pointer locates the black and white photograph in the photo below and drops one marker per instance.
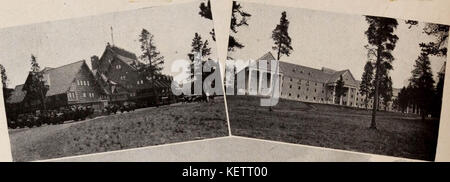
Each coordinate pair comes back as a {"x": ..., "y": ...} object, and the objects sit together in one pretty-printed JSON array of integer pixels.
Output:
[
  {"x": 106, "y": 82},
  {"x": 349, "y": 82}
]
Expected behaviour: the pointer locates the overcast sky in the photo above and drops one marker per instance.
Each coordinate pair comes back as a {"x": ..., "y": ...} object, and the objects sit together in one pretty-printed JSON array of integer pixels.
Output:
[
  {"x": 63, "y": 42},
  {"x": 323, "y": 39}
]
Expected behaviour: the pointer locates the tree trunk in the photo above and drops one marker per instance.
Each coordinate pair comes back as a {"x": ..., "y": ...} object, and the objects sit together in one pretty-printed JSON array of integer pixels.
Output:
[
  {"x": 278, "y": 59},
  {"x": 373, "y": 124}
]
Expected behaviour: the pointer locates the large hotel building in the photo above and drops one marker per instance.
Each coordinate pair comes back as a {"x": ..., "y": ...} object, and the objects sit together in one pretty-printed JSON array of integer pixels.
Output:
[{"x": 308, "y": 84}]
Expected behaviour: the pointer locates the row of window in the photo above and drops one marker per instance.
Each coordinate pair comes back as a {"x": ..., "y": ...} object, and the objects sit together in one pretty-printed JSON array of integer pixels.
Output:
[
  {"x": 82, "y": 83},
  {"x": 73, "y": 96},
  {"x": 307, "y": 88},
  {"x": 300, "y": 81}
]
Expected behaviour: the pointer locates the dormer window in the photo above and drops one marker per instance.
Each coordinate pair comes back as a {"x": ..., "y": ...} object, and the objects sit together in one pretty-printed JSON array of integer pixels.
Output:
[
  {"x": 122, "y": 77},
  {"x": 118, "y": 67},
  {"x": 140, "y": 82}
]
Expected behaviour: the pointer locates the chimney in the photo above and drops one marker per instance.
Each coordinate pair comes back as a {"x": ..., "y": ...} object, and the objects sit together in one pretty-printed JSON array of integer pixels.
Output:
[{"x": 95, "y": 62}]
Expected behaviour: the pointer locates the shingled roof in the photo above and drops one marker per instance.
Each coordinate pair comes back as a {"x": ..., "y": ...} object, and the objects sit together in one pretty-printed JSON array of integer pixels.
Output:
[
  {"x": 61, "y": 78},
  {"x": 122, "y": 52},
  {"x": 118, "y": 53},
  {"x": 17, "y": 95}
]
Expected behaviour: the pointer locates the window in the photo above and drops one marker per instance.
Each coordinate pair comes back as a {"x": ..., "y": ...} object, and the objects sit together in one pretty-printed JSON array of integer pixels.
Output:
[
  {"x": 78, "y": 82},
  {"x": 289, "y": 94},
  {"x": 322, "y": 91},
  {"x": 298, "y": 96},
  {"x": 315, "y": 84},
  {"x": 299, "y": 87},
  {"x": 290, "y": 86},
  {"x": 84, "y": 94},
  {"x": 306, "y": 97},
  {"x": 122, "y": 77},
  {"x": 118, "y": 67},
  {"x": 315, "y": 90},
  {"x": 87, "y": 83},
  {"x": 314, "y": 98}
]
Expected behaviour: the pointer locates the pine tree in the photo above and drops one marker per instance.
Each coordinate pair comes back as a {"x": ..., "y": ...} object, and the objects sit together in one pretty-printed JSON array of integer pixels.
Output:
[
  {"x": 422, "y": 81},
  {"x": 150, "y": 55},
  {"x": 281, "y": 38},
  {"x": 340, "y": 90},
  {"x": 153, "y": 61},
  {"x": 198, "y": 46},
  {"x": 366, "y": 87},
  {"x": 382, "y": 40},
  {"x": 35, "y": 86}
]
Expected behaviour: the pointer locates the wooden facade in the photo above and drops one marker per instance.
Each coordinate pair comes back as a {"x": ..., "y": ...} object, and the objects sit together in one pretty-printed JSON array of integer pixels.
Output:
[
  {"x": 117, "y": 69},
  {"x": 71, "y": 84}
]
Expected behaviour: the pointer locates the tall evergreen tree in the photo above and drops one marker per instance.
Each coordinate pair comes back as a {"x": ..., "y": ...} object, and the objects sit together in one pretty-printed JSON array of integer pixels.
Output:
[
  {"x": 153, "y": 61},
  {"x": 281, "y": 38},
  {"x": 366, "y": 87},
  {"x": 339, "y": 89},
  {"x": 382, "y": 40},
  {"x": 198, "y": 46},
  {"x": 422, "y": 81},
  {"x": 35, "y": 85}
]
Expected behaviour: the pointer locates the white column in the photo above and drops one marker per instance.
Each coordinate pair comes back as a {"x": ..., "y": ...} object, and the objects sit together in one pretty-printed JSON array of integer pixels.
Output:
[
  {"x": 348, "y": 96},
  {"x": 259, "y": 87},
  {"x": 355, "y": 95},
  {"x": 249, "y": 80},
  {"x": 334, "y": 95}
]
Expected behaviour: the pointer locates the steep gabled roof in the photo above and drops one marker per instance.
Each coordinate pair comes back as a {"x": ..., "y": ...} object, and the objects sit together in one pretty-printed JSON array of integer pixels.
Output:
[
  {"x": 62, "y": 77},
  {"x": 122, "y": 52},
  {"x": 17, "y": 95}
]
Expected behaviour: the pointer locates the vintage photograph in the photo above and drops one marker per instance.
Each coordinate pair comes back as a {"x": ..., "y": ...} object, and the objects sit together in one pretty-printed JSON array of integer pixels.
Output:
[
  {"x": 106, "y": 82},
  {"x": 350, "y": 82}
]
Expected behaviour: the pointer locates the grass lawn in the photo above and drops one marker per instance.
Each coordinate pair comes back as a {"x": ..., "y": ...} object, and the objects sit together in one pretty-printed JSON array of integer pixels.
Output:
[
  {"x": 146, "y": 127},
  {"x": 338, "y": 127}
]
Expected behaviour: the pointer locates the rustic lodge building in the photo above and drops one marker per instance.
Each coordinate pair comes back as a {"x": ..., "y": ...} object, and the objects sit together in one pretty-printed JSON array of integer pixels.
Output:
[
  {"x": 117, "y": 72},
  {"x": 71, "y": 84},
  {"x": 114, "y": 78}
]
